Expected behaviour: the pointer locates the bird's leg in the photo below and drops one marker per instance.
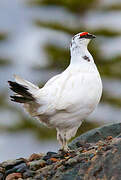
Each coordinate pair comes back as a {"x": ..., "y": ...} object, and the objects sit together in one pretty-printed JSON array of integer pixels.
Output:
[
  {"x": 65, "y": 142},
  {"x": 62, "y": 141}
]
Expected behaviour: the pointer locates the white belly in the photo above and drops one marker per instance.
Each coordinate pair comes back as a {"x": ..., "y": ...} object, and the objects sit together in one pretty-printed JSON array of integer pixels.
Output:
[{"x": 78, "y": 99}]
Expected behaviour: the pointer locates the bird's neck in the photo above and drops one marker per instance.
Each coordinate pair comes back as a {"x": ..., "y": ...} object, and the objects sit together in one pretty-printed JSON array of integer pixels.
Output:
[{"x": 78, "y": 53}]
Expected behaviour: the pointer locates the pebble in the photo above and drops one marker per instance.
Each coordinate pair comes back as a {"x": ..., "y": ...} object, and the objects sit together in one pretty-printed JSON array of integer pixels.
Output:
[
  {"x": 34, "y": 165},
  {"x": 13, "y": 176},
  {"x": 91, "y": 155},
  {"x": 20, "y": 168},
  {"x": 50, "y": 155},
  {"x": 28, "y": 173},
  {"x": 35, "y": 156},
  {"x": 39, "y": 166},
  {"x": 10, "y": 163},
  {"x": 2, "y": 169},
  {"x": 49, "y": 162},
  {"x": 1, "y": 176}
]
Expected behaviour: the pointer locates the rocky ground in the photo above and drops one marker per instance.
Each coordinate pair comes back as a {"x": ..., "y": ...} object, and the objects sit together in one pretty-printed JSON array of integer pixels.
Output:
[{"x": 94, "y": 155}]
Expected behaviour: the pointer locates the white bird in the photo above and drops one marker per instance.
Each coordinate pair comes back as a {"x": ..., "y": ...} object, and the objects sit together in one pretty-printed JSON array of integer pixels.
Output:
[{"x": 67, "y": 98}]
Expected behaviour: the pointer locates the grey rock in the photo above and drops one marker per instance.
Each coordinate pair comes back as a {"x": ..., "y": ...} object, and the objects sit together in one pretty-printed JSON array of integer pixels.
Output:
[
  {"x": 97, "y": 134},
  {"x": 95, "y": 155},
  {"x": 34, "y": 165}
]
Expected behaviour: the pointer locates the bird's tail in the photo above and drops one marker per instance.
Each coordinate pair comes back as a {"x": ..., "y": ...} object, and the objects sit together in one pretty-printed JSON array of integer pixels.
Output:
[{"x": 24, "y": 90}]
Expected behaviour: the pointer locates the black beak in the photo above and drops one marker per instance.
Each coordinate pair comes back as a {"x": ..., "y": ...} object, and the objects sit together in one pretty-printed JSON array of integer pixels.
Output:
[{"x": 90, "y": 36}]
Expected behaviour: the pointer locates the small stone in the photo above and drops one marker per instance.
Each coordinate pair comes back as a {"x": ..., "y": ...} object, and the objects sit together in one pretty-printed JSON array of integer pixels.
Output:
[
  {"x": 11, "y": 163},
  {"x": 2, "y": 169},
  {"x": 46, "y": 157},
  {"x": 34, "y": 165},
  {"x": 13, "y": 176},
  {"x": 1, "y": 175},
  {"x": 51, "y": 153},
  {"x": 109, "y": 138},
  {"x": 71, "y": 161},
  {"x": 91, "y": 155},
  {"x": 35, "y": 156},
  {"x": 49, "y": 162},
  {"x": 54, "y": 159},
  {"x": 20, "y": 168},
  {"x": 80, "y": 144},
  {"x": 99, "y": 152},
  {"x": 107, "y": 148},
  {"x": 39, "y": 177},
  {"x": 28, "y": 173}
]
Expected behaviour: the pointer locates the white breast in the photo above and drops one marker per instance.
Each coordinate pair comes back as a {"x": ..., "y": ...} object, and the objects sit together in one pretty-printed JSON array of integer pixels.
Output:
[{"x": 73, "y": 96}]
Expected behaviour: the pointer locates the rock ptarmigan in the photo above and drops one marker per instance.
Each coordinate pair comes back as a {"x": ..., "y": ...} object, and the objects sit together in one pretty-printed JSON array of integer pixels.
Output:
[{"x": 67, "y": 98}]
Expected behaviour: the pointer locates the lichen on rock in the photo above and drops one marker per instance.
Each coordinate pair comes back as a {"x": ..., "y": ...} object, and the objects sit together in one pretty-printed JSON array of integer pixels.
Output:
[{"x": 94, "y": 155}]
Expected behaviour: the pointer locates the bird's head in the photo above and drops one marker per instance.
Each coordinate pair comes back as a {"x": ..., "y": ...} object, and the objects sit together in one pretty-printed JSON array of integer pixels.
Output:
[{"x": 81, "y": 39}]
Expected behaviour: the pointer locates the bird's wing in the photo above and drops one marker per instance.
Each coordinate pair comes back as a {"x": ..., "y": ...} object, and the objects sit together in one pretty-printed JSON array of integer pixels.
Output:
[
  {"x": 52, "y": 80},
  {"x": 47, "y": 95},
  {"x": 56, "y": 95}
]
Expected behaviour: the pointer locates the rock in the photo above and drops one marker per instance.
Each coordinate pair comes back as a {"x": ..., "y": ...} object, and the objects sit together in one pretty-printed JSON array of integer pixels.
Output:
[
  {"x": 28, "y": 173},
  {"x": 13, "y": 176},
  {"x": 94, "y": 155},
  {"x": 34, "y": 165},
  {"x": 11, "y": 163},
  {"x": 97, "y": 134},
  {"x": 35, "y": 157},
  {"x": 50, "y": 155},
  {"x": 1, "y": 175}
]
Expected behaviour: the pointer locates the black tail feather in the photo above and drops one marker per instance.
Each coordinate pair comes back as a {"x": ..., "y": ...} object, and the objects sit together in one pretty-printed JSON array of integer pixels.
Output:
[
  {"x": 20, "y": 99},
  {"x": 22, "y": 91}
]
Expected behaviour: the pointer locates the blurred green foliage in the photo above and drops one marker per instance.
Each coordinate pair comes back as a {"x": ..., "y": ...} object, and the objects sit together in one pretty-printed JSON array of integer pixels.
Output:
[
  {"x": 58, "y": 57},
  {"x": 114, "y": 7},
  {"x": 41, "y": 131},
  {"x": 3, "y": 36},
  {"x": 4, "y": 62},
  {"x": 72, "y": 31},
  {"x": 71, "y": 5}
]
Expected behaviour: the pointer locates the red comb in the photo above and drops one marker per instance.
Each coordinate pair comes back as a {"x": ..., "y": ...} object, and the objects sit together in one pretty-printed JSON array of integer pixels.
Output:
[{"x": 84, "y": 33}]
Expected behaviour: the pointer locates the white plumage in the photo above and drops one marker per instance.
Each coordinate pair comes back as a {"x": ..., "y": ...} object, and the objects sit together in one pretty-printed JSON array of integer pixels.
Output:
[{"x": 68, "y": 98}]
